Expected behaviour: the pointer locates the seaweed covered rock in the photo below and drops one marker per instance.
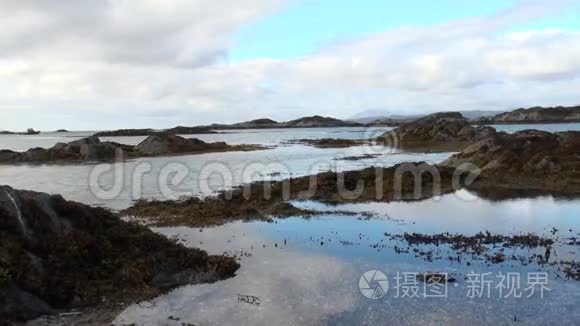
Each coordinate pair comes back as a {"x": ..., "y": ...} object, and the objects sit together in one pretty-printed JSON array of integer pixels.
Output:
[
  {"x": 56, "y": 254},
  {"x": 330, "y": 142},
  {"x": 529, "y": 159},
  {"x": 171, "y": 144},
  {"x": 91, "y": 149},
  {"x": 263, "y": 199},
  {"x": 86, "y": 149},
  {"x": 446, "y": 131}
]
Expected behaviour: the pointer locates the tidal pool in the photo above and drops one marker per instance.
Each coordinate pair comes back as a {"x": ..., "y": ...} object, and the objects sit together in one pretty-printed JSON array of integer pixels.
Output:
[{"x": 308, "y": 271}]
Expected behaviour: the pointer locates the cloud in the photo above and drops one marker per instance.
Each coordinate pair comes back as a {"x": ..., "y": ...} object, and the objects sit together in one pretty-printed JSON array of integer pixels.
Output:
[{"x": 163, "y": 63}]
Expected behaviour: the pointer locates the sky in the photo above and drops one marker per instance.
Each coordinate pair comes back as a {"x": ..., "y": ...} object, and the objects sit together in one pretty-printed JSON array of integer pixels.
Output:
[{"x": 108, "y": 64}]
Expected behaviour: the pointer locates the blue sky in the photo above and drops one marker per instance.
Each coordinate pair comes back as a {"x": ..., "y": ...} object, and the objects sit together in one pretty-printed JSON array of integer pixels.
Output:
[{"x": 303, "y": 26}]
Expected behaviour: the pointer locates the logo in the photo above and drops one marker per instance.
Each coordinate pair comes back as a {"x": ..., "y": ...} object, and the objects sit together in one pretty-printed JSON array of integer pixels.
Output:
[{"x": 373, "y": 284}]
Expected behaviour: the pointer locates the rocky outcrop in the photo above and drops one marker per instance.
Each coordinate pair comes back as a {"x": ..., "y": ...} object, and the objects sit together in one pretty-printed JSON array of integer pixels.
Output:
[
  {"x": 56, "y": 254},
  {"x": 149, "y": 132},
  {"x": 91, "y": 149},
  {"x": 534, "y": 115},
  {"x": 528, "y": 159},
  {"x": 447, "y": 131},
  {"x": 388, "y": 122},
  {"x": 330, "y": 142},
  {"x": 163, "y": 144},
  {"x": 125, "y": 133},
  {"x": 86, "y": 149},
  {"x": 305, "y": 122},
  {"x": 317, "y": 122},
  {"x": 30, "y": 131},
  {"x": 180, "y": 130},
  {"x": 62, "y": 130}
]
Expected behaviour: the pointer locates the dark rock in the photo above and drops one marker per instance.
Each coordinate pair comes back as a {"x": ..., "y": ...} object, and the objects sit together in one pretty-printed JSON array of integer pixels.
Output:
[
  {"x": 317, "y": 122},
  {"x": 160, "y": 144},
  {"x": 62, "y": 130},
  {"x": 180, "y": 130},
  {"x": 56, "y": 255},
  {"x": 91, "y": 149},
  {"x": 305, "y": 122},
  {"x": 558, "y": 114},
  {"x": 528, "y": 159},
  {"x": 168, "y": 144},
  {"x": 330, "y": 142},
  {"x": 125, "y": 132},
  {"x": 18, "y": 304},
  {"x": 446, "y": 131}
]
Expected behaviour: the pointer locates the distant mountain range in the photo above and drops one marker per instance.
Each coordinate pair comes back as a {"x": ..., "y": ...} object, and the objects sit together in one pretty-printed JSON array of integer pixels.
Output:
[{"x": 305, "y": 122}]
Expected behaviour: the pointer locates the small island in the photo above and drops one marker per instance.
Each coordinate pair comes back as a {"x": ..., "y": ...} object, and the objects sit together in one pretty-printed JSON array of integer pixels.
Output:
[{"x": 92, "y": 149}]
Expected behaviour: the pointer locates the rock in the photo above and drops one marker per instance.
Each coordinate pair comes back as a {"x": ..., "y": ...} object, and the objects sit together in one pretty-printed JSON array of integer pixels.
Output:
[
  {"x": 160, "y": 144},
  {"x": 389, "y": 122},
  {"x": 558, "y": 114},
  {"x": 37, "y": 155},
  {"x": 305, "y": 122},
  {"x": 180, "y": 130},
  {"x": 330, "y": 142},
  {"x": 56, "y": 254},
  {"x": 446, "y": 131},
  {"x": 91, "y": 149},
  {"x": 529, "y": 159},
  {"x": 317, "y": 122},
  {"x": 168, "y": 144},
  {"x": 17, "y": 304},
  {"x": 125, "y": 132},
  {"x": 62, "y": 130},
  {"x": 30, "y": 131},
  {"x": 149, "y": 132}
]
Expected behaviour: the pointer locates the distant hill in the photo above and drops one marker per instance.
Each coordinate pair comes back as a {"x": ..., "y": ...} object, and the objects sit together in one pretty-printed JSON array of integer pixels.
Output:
[
  {"x": 533, "y": 115},
  {"x": 396, "y": 119},
  {"x": 305, "y": 122}
]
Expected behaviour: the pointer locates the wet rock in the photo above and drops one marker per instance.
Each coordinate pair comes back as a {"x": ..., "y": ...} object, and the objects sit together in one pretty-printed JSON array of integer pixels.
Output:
[
  {"x": 529, "y": 159},
  {"x": 56, "y": 254},
  {"x": 18, "y": 304},
  {"x": 91, "y": 149},
  {"x": 447, "y": 131},
  {"x": 535, "y": 115},
  {"x": 180, "y": 130},
  {"x": 125, "y": 133},
  {"x": 250, "y": 203},
  {"x": 317, "y": 122},
  {"x": 359, "y": 157},
  {"x": 330, "y": 142}
]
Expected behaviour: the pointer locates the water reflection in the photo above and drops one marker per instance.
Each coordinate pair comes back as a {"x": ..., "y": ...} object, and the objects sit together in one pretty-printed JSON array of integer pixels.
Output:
[
  {"x": 73, "y": 182},
  {"x": 306, "y": 271}
]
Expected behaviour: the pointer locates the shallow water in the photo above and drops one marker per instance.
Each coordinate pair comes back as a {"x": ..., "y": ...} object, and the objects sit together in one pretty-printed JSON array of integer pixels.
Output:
[
  {"x": 307, "y": 272},
  {"x": 246, "y": 136}
]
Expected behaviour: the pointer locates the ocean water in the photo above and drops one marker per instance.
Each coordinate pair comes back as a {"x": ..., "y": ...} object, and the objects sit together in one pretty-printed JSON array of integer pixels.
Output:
[{"x": 308, "y": 271}]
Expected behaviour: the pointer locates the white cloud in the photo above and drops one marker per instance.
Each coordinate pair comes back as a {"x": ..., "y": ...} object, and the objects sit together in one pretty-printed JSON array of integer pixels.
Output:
[{"x": 112, "y": 64}]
